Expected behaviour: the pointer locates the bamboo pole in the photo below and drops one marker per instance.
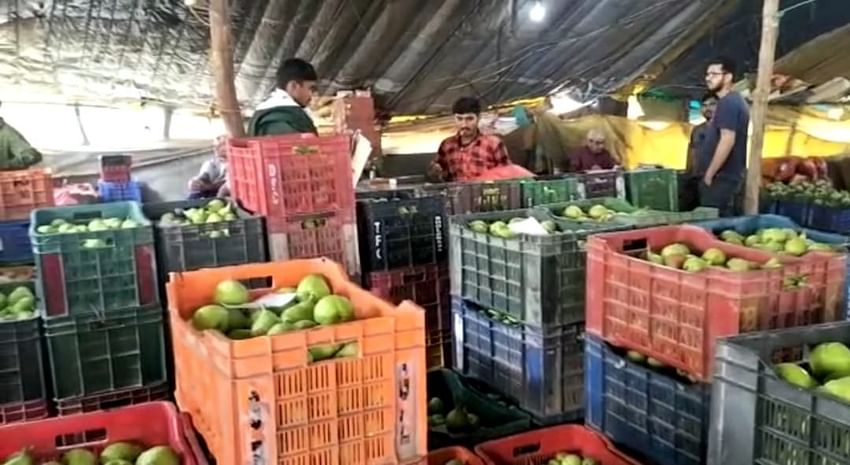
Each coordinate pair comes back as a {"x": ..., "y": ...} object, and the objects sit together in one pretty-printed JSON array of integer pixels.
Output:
[
  {"x": 767, "y": 52},
  {"x": 221, "y": 54}
]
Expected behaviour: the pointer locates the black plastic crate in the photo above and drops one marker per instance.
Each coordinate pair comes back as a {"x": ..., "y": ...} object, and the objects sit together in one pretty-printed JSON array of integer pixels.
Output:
[
  {"x": 757, "y": 417},
  {"x": 497, "y": 418},
  {"x": 537, "y": 279},
  {"x": 208, "y": 245},
  {"x": 541, "y": 369},
  {"x": 21, "y": 363},
  {"x": 90, "y": 354},
  {"x": 835, "y": 219},
  {"x": 398, "y": 233},
  {"x": 605, "y": 183}
]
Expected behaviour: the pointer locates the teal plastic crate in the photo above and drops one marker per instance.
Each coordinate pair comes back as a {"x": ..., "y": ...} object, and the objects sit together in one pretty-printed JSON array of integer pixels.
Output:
[
  {"x": 632, "y": 216},
  {"x": 497, "y": 418},
  {"x": 90, "y": 355},
  {"x": 657, "y": 189},
  {"x": 94, "y": 271},
  {"x": 550, "y": 189}
]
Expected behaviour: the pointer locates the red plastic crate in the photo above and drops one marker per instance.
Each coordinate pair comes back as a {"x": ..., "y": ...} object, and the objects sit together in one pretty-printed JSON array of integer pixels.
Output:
[
  {"x": 464, "y": 455},
  {"x": 427, "y": 285},
  {"x": 15, "y": 412},
  {"x": 677, "y": 316},
  {"x": 23, "y": 191},
  {"x": 537, "y": 447},
  {"x": 287, "y": 176},
  {"x": 151, "y": 424},
  {"x": 326, "y": 235}
]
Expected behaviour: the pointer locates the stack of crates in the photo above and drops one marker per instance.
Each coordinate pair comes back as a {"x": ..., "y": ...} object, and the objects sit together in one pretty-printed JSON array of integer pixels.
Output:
[
  {"x": 265, "y": 397},
  {"x": 518, "y": 310},
  {"x": 652, "y": 331},
  {"x": 100, "y": 309},
  {"x": 404, "y": 256},
  {"x": 116, "y": 183},
  {"x": 23, "y": 391},
  {"x": 302, "y": 185}
]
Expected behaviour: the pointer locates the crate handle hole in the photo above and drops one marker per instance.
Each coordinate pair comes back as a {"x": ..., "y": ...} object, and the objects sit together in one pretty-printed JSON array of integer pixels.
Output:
[
  {"x": 262, "y": 282},
  {"x": 315, "y": 223},
  {"x": 526, "y": 449},
  {"x": 85, "y": 437},
  {"x": 635, "y": 245}
]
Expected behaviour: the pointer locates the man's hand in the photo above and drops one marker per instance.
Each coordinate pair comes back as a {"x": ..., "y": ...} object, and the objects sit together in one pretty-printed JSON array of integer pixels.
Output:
[
  {"x": 708, "y": 179},
  {"x": 196, "y": 185}
]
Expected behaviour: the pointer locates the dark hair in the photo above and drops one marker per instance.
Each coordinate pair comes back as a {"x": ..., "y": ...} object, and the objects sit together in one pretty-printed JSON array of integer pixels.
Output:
[
  {"x": 727, "y": 64},
  {"x": 296, "y": 69},
  {"x": 708, "y": 96},
  {"x": 465, "y": 105}
]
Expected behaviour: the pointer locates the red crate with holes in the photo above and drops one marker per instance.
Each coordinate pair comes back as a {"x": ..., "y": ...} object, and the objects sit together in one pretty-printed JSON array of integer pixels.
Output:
[
  {"x": 427, "y": 285},
  {"x": 288, "y": 176},
  {"x": 676, "y": 316},
  {"x": 313, "y": 236},
  {"x": 23, "y": 191},
  {"x": 148, "y": 425}
]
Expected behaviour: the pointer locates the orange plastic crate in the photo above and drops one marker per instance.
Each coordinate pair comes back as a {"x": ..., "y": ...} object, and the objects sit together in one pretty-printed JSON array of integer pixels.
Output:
[
  {"x": 23, "y": 191},
  {"x": 676, "y": 316},
  {"x": 538, "y": 447},
  {"x": 261, "y": 398}
]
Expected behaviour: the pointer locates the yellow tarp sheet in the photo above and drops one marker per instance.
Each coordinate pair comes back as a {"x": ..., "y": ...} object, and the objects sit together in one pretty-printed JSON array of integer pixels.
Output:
[{"x": 790, "y": 132}]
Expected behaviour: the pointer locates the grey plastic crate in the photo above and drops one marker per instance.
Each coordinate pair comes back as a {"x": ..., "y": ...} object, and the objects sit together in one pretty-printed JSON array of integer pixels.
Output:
[
  {"x": 536, "y": 279},
  {"x": 758, "y": 418}
]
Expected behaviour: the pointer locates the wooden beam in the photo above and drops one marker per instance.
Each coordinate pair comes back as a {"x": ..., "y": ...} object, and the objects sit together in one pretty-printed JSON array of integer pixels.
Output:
[
  {"x": 221, "y": 57},
  {"x": 767, "y": 52}
]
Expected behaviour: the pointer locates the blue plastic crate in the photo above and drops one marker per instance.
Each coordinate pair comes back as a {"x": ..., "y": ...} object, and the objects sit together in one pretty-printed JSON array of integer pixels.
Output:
[
  {"x": 747, "y": 225},
  {"x": 798, "y": 212},
  {"x": 15, "y": 247},
  {"x": 835, "y": 219},
  {"x": 541, "y": 369},
  {"x": 653, "y": 413},
  {"x": 119, "y": 191}
]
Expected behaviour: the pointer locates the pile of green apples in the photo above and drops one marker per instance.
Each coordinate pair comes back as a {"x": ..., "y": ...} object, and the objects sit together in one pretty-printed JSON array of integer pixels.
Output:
[
  {"x": 567, "y": 458},
  {"x": 820, "y": 192},
  {"x": 679, "y": 256},
  {"x": 311, "y": 304},
  {"x": 215, "y": 211},
  {"x": 18, "y": 305},
  {"x": 457, "y": 420},
  {"x": 118, "y": 453},
  {"x": 827, "y": 370},
  {"x": 501, "y": 228},
  {"x": 60, "y": 226},
  {"x": 776, "y": 240}
]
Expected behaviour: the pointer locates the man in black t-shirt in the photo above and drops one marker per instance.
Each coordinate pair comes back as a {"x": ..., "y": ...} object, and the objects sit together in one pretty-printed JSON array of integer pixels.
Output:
[
  {"x": 689, "y": 187},
  {"x": 723, "y": 157}
]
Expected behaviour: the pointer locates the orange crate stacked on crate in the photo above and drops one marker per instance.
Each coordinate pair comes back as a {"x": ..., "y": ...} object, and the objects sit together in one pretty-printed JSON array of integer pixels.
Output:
[
  {"x": 23, "y": 191},
  {"x": 303, "y": 185},
  {"x": 261, "y": 397}
]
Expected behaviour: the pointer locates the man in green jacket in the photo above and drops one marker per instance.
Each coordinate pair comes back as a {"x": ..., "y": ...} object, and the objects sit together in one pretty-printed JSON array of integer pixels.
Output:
[
  {"x": 284, "y": 111},
  {"x": 15, "y": 152}
]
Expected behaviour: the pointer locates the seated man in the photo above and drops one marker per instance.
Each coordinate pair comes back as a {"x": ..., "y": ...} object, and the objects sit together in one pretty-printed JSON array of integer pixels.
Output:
[
  {"x": 212, "y": 179},
  {"x": 469, "y": 153},
  {"x": 15, "y": 152},
  {"x": 594, "y": 155}
]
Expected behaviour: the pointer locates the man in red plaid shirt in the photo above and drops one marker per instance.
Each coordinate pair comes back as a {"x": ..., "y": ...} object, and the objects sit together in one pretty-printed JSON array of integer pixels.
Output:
[{"x": 469, "y": 153}]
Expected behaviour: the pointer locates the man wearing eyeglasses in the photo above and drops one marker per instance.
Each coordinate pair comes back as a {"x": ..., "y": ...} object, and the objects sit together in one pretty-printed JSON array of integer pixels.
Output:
[
  {"x": 594, "y": 155},
  {"x": 469, "y": 153},
  {"x": 723, "y": 157}
]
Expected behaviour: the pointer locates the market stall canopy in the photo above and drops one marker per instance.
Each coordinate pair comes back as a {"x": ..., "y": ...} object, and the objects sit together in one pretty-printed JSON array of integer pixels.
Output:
[{"x": 417, "y": 56}]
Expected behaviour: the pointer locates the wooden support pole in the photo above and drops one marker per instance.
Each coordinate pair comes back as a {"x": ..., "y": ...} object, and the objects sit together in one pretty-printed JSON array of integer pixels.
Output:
[
  {"x": 221, "y": 53},
  {"x": 767, "y": 52}
]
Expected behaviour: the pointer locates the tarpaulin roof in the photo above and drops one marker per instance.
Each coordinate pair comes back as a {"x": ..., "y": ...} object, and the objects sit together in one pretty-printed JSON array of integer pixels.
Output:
[{"x": 417, "y": 55}]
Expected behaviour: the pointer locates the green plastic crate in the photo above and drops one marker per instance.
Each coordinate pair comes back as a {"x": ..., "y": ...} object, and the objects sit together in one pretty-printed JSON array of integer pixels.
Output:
[
  {"x": 550, "y": 190},
  {"x": 637, "y": 218},
  {"x": 118, "y": 272},
  {"x": 657, "y": 189},
  {"x": 90, "y": 355},
  {"x": 497, "y": 418}
]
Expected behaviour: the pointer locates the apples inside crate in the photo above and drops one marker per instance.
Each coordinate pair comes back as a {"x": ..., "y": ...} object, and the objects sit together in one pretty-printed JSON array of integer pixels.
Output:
[{"x": 676, "y": 316}]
